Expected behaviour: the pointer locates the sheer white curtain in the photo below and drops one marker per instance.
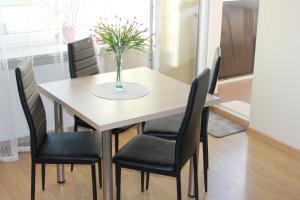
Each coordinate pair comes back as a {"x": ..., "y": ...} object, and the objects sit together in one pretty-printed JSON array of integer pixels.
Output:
[{"x": 39, "y": 30}]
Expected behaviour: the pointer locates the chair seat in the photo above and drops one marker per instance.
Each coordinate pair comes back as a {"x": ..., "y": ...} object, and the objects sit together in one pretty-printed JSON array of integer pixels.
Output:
[
  {"x": 147, "y": 152},
  {"x": 163, "y": 135},
  {"x": 169, "y": 124},
  {"x": 82, "y": 123},
  {"x": 166, "y": 128},
  {"x": 73, "y": 147},
  {"x": 121, "y": 129}
]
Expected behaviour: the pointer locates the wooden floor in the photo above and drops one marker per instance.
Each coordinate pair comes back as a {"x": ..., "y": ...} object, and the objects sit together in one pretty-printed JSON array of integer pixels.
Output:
[
  {"x": 239, "y": 90},
  {"x": 241, "y": 167}
]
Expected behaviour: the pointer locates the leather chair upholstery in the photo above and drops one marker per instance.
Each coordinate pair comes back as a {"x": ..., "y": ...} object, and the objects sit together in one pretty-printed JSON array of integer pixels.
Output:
[
  {"x": 82, "y": 62},
  {"x": 82, "y": 58},
  {"x": 156, "y": 155},
  {"x": 168, "y": 127},
  {"x": 53, "y": 148},
  {"x": 78, "y": 147},
  {"x": 160, "y": 153}
]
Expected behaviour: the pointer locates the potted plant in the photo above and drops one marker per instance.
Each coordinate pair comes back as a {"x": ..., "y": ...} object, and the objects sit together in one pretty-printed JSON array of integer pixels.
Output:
[{"x": 119, "y": 37}]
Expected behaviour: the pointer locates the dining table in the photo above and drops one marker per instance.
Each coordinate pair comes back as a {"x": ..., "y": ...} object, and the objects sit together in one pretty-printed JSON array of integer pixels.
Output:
[{"x": 166, "y": 96}]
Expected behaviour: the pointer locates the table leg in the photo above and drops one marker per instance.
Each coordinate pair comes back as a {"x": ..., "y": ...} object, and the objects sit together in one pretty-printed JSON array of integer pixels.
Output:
[
  {"x": 191, "y": 189},
  {"x": 59, "y": 127},
  {"x": 107, "y": 166},
  {"x": 139, "y": 128}
]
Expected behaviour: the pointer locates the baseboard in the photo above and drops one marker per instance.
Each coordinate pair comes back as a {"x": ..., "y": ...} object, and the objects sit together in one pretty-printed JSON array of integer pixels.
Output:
[
  {"x": 235, "y": 79},
  {"x": 255, "y": 133},
  {"x": 275, "y": 143},
  {"x": 230, "y": 116}
]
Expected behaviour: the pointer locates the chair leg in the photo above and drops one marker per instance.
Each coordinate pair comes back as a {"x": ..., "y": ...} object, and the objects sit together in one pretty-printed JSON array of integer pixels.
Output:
[
  {"x": 205, "y": 146},
  {"x": 75, "y": 130},
  {"x": 142, "y": 181},
  {"x": 94, "y": 181},
  {"x": 116, "y": 142},
  {"x": 206, "y": 139},
  {"x": 204, "y": 125},
  {"x": 75, "y": 126},
  {"x": 33, "y": 181},
  {"x": 147, "y": 180},
  {"x": 178, "y": 180},
  {"x": 43, "y": 176},
  {"x": 205, "y": 161},
  {"x": 116, "y": 150},
  {"x": 118, "y": 176},
  {"x": 205, "y": 179},
  {"x": 196, "y": 176},
  {"x": 100, "y": 173}
]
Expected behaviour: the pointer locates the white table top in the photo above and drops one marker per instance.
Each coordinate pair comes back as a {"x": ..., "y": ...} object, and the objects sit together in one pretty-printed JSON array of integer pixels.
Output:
[{"x": 166, "y": 97}]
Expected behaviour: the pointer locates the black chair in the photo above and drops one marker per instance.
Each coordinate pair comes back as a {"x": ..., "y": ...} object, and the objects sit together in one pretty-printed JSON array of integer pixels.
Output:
[
  {"x": 54, "y": 148},
  {"x": 82, "y": 62},
  {"x": 156, "y": 155},
  {"x": 168, "y": 127}
]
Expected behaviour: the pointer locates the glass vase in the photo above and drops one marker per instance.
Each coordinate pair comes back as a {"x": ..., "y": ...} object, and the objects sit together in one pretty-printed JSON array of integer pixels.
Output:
[{"x": 119, "y": 65}]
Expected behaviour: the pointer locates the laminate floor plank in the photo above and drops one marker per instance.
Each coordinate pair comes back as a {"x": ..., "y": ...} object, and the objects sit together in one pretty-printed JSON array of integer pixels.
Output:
[{"x": 241, "y": 167}]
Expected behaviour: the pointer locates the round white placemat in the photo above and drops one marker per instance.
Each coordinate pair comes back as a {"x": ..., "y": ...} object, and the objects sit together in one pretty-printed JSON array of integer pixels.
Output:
[{"x": 130, "y": 91}]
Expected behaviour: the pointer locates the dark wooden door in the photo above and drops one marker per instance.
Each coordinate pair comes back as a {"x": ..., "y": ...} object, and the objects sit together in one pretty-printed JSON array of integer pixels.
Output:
[{"x": 238, "y": 37}]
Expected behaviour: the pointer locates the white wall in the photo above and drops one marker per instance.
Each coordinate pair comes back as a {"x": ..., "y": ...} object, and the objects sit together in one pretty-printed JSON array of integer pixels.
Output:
[
  {"x": 215, "y": 27},
  {"x": 275, "y": 108}
]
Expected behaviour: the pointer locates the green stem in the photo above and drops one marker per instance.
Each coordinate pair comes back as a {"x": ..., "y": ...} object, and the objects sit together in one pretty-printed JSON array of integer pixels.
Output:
[{"x": 119, "y": 66}]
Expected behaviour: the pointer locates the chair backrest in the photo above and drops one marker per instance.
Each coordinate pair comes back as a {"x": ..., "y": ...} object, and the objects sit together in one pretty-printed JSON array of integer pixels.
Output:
[
  {"x": 215, "y": 71},
  {"x": 188, "y": 135},
  {"x": 82, "y": 58},
  {"x": 32, "y": 105}
]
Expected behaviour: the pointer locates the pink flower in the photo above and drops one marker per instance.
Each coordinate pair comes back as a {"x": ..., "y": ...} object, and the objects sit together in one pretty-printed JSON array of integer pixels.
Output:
[{"x": 146, "y": 29}]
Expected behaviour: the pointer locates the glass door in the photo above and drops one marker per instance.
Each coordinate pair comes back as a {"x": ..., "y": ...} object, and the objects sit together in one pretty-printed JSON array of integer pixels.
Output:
[{"x": 175, "y": 27}]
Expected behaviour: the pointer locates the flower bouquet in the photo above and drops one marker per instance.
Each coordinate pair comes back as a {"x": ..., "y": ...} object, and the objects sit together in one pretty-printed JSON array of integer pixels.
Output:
[{"x": 119, "y": 37}]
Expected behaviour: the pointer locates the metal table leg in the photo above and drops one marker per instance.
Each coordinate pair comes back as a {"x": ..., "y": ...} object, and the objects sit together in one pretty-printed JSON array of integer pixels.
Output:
[
  {"x": 191, "y": 189},
  {"x": 107, "y": 166},
  {"x": 59, "y": 127},
  {"x": 139, "y": 128}
]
